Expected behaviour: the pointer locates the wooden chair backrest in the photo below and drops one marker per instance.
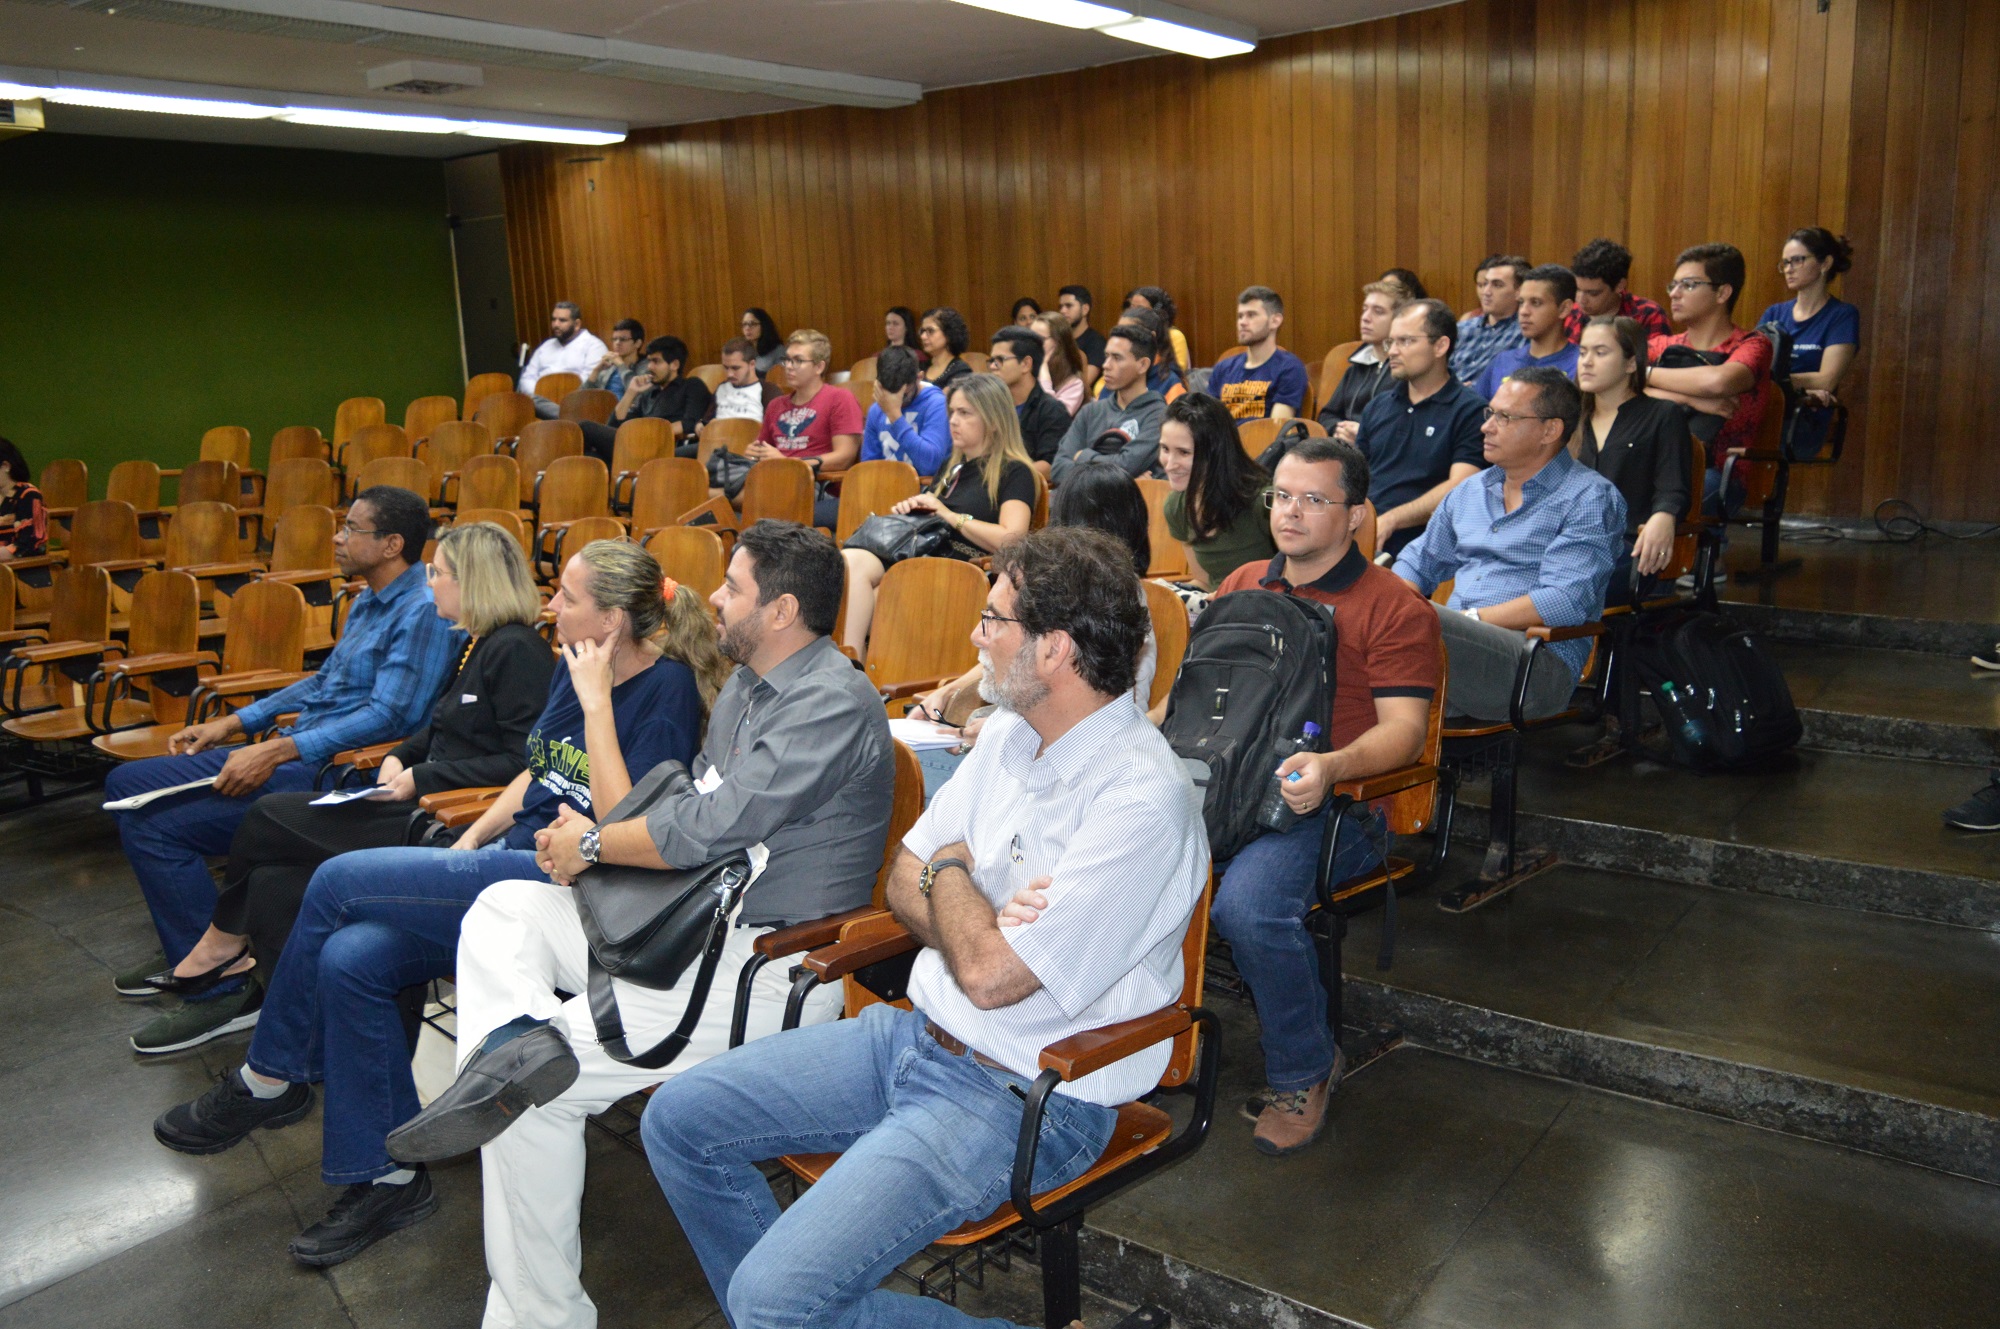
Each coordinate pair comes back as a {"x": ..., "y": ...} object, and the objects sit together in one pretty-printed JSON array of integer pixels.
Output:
[
  {"x": 554, "y": 387},
  {"x": 297, "y": 441},
  {"x": 977, "y": 359},
  {"x": 482, "y": 386},
  {"x": 690, "y": 555},
  {"x": 666, "y": 487},
  {"x": 1169, "y": 559},
  {"x": 1762, "y": 477},
  {"x": 780, "y": 487},
  {"x": 136, "y": 483},
  {"x": 540, "y": 444},
  {"x": 506, "y": 519},
  {"x": 210, "y": 482},
  {"x": 104, "y": 531},
  {"x": 489, "y": 481},
  {"x": 1194, "y": 981},
  {"x": 593, "y": 404},
  {"x": 1364, "y": 538},
  {"x": 573, "y": 488},
  {"x": 585, "y": 531},
  {"x": 267, "y": 628},
  {"x": 225, "y": 443},
  {"x": 712, "y": 375},
  {"x": 729, "y": 435},
  {"x": 371, "y": 443},
  {"x": 870, "y": 489},
  {"x": 451, "y": 445},
  {"x": 506, "y": 413},
  {"x": 82, "y": 605},
  {"x": 304, "y": 539},
  {"x": 396, "y": 472},
  {"x": 1040, "y": 516},
  {"x": 639, "y": 441},
  {"x": 924, "y": 616},
  {"x": 65, "y": 483},
  {"x": 1332, "y": 365},
  {"x": 9, "y": 595},
  {"x": 299, "y": 480},
  {"x": 1257, "y": 435},
  {"x": 354, "y": 414},
  {"x": 165, "y": 614},
  {"x": 862, "y": 368},
  {"x": 1170, "y": 637},
  {"x": 202, "y": 533},
  {"x": 1411, "y": 810},
  {"x": 424, "y": 414},
  {"x": 862, "y": 387},
  {"x": 906, "y": 805}
]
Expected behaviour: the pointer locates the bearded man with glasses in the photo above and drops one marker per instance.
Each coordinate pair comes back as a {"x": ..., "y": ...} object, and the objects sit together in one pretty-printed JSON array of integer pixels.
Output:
[{"x": 1385, "y": 677}]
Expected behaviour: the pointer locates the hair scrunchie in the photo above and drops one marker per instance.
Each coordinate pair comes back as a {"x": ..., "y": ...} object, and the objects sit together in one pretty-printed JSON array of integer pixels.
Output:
[{"x": 669, "y": 588}]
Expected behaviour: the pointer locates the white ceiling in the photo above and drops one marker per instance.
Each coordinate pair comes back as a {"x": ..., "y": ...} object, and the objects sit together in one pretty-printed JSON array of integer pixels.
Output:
[{"x": 932, "y": 43}]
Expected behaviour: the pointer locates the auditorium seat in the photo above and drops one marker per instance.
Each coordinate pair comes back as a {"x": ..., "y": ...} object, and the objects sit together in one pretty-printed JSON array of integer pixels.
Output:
[
  {"x": 712, "y": 375},
  {"x": 65, "y": 486},
  {"x": 593, "y": 404},
  {"x": 921, "y": 635},
  {"x": 638, "y": 441},
  {"x": 397, "y": 473},
  {"x": 1170, "y": 637},
  {"x": 298, "y": 441},
  {"x": 554, "y": 387},
  {"x": 557, "y": 543},
  {"x": 80, "y": 613},
  {"x": 449, "y": 447},
  {"x": 482, "y": 386},
  {"x": 1257, "y": 435},
  {"x": 1169, "y": 559},
  {"x": 294, "y": 481},
  {"x": 355, "y": 414},
  {"x": 487, "y": 481},
  {"x": 871, "y": 488},
  {"x": 663, "y": 489},
  {"x": 691, "y": 556},
  {"x": 425, "y": 414},
  {"x": 540, "y": 443},
  {"x": 730, "y": 435},
  {"x": 507, "y": 519},
  {"x": 369, "y": 444},
  {"x": 165, "y": 612},
  {"x": 781, "y": 488},
  {"x": 506, "y": 414}
]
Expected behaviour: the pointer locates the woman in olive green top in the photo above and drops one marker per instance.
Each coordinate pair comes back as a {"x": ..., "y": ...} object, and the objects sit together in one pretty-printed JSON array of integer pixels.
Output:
[{"x": 1215, "y": 510}]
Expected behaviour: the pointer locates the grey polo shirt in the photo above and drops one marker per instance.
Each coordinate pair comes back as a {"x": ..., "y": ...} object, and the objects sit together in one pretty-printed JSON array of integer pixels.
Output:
[{"x": 807, "y": 770}]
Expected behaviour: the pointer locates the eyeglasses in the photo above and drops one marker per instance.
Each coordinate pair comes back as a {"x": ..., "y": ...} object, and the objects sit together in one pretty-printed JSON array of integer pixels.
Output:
[
  {"x": 1313, "y": 503},
  {"x": 436, "y": 571},
  {"x": 1687, "y": 284},
  {"x": 1506, "y": 419},
  {"x": 992, "y": 360},
  {"x": 988, "y": 619},
  {"x": 794, "y": 363},
  {"x": 1404, "y": 343},
  {"x": 350, "y": 529},
  {"x": 1795, "y": 261}
]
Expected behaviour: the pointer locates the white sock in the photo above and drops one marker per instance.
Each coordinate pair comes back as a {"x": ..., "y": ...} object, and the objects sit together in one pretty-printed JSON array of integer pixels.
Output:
[
  {"x": 258, "y": 1085},
  {"x": 400, "y": 1177}
]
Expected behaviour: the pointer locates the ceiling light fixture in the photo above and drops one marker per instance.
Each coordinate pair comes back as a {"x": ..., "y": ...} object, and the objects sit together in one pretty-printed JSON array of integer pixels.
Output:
[
  {"x": 1154, "y": 23},
  {"x": 1063, "y": 13},
  {"x": 1181, "y": 38},
  {"x": 400, "y": 124}
]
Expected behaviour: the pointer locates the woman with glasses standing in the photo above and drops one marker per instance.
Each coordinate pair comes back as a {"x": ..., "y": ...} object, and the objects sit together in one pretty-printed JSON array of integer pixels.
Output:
[{"x": 1825, "y": 330}]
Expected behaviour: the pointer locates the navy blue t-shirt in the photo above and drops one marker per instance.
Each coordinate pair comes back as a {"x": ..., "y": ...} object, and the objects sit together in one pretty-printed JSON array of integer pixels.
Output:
[
  {"x": 658, "y": 715},
  {"x": 1838, "y": 324},
  {"x": 1251, "y": 393},
  {"x": 1411, "y": 449}
]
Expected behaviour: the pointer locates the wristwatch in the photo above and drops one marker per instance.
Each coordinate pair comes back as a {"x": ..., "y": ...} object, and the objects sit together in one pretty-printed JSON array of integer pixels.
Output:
[
  {"x": 586, "y": 847},
  {"x": 1473, "y": 614},
  {"x": 931, "y": 871}
]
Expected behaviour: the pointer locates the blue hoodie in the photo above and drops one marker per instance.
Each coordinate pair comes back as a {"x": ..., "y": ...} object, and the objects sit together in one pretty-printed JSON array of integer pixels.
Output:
[{"x": 921, "y": 436}]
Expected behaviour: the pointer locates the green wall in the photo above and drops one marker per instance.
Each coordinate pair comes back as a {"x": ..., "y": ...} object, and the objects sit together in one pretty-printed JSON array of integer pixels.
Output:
[{"x": 153, "y": 289}]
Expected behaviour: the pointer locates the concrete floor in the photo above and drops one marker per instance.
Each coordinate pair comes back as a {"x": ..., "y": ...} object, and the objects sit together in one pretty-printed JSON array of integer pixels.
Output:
[{"x": 1932, "y": 578}]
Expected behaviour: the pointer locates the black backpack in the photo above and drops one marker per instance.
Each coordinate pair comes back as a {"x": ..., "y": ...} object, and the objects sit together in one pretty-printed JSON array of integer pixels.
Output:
[
  {"x": 1290, "y": 435},
  {"x": 1722, "y": 699},
  {"x": 1258, "y": 666}
]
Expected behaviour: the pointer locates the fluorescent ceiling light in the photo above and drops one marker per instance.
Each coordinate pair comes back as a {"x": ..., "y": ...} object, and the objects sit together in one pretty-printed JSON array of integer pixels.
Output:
[
  {"x": 1178, "y": 37},
  {"x": 1064, "y": 13},
  {"x": 139, "y": 101},
  {"x": 402, "y": 124},
  {"x": 595, "y": 138}
]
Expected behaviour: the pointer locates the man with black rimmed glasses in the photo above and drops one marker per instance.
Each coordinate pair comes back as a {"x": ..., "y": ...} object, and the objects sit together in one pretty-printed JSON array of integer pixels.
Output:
[
  {"x": 1707, "y": 281},
  {"x": 1529, "y": 542},
  {"x": 1016, "y": 356},
  {"x": 1421, "y": 437},
  {"x": 1385, "y": 676}
]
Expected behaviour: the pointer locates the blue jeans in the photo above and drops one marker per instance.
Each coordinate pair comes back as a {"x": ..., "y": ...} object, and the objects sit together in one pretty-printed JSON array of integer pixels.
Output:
[
  {"x": 170, "y": 839},
  {"x": 929, "y": 1144},
  {"x": 373, "y": 923},
  {"x": 1260, "y": 910}
]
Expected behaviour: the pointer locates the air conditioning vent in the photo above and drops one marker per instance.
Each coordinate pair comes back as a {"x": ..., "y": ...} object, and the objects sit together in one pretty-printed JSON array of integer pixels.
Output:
[{"x": 425, "y": 78}]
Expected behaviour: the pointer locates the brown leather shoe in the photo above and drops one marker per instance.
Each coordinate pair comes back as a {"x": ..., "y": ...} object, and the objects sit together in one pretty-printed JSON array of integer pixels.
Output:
[{"x": 1291, "y": 1121}]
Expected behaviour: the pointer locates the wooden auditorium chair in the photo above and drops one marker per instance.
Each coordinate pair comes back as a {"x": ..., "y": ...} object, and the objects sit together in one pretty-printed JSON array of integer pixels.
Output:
[
  {"x": 445, "y": 452},
  {"x": 554, "y": 387},
  {"x": 730, "y": 435},
  {"x": 103, "y": 534},
  {"x": 506, "y": 414},
  {"x": 481, "y": 386},
  {"x": 302, "y": 556},
  {"x": 294, "y": 482},
  {"x": 539, "y": 444},
  {"x": 593, "y": 404},
  {"x": 1257, "y": 435},
  {"x": 711, "y": 375},
  {"x": 165, "y": 613},
  {"x": 353, "y": 415},
  {"x": 871, "y": 488},
  {"x": 692, "y": 556},
  {"x": 487, "y": 482},
  {"x": 507, "y": 519},
  {"x": 921, "y": 634},
  {"x": 661, "y": 491},
  {"x": 780, "y": 488},
  {"x": 371, "y": 443},
  {"x": 80, "y": 615},
  {"x": 1169, "y": 559},
  {"x": 425, "y": 414},
  {"x": 65, "y": 486},
  {"x": 636, "y": 443}
]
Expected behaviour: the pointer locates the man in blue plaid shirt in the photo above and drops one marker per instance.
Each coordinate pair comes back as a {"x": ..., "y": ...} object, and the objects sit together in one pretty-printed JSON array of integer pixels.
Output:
[
  {"x": 378, "y": 684},
  {"x": 1495, "y": 326}
]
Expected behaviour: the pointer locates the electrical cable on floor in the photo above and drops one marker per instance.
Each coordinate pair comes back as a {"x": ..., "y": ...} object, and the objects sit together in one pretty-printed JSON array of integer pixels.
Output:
[{"x": 1897, "y": 521}]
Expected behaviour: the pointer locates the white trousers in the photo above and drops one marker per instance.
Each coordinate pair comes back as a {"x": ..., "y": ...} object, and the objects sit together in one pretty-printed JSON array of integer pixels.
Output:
[{"x": 519, "y": 943}]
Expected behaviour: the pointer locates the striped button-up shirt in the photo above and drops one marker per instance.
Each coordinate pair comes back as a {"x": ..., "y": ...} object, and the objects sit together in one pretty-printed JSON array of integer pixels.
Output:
[
  {"x": 379, "y": 683},
  {"x": 1478, "y": 342},
  {"x": 1109, "y": 814},
  {"x": 1557, "y": 548}
]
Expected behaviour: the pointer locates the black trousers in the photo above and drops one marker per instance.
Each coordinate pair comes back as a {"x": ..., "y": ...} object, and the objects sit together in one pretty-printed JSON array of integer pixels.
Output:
[
  {"x": 272, "y": 859},
  {"x": 598, "y": 440}
]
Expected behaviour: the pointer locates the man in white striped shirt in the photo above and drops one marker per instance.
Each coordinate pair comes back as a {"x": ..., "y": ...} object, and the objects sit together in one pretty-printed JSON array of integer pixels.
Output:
[{"x": 1051, "y": 882}]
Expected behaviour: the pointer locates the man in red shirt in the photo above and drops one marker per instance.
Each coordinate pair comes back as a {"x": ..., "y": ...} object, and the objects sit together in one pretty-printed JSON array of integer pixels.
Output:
[
  {"x": 1707, "y": 280},
  {"x": 815, "y": 422},
  {"x": 1386, "y": 677},
  {"x": 1601, "y": 268}
]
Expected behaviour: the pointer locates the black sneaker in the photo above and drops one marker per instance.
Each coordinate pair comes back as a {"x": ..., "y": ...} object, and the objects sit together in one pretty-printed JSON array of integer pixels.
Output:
[
  {"x": 226, "y": 1114},
  {"x": 363, "y": 1215},
  {"x": 1981, "y": 812},
  {"x": 1988, "y": 658}
]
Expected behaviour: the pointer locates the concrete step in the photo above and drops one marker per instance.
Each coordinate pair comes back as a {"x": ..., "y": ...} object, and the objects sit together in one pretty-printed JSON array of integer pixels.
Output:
[
  {"x": 1824, "y": 627},
  {"x": 1894, "y": 703},
  {"x": 1855, "y": 1029},
  {"x": 1446, "y": 1192},
  {"x": 1853, "y": 830},
  {"x": 1934, "y": 595}
]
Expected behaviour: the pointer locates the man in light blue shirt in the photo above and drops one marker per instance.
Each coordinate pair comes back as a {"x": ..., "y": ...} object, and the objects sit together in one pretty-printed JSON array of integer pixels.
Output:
[
  {"x": 1529, "y": 542},
  {"x": 1548, "y": 293},
  {"x": 909, "y": 421}
]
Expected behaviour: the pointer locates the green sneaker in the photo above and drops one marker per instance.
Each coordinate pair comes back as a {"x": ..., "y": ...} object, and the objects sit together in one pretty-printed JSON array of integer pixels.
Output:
[
  {"x": 193, "y": 1023},
  {"x": 132, "y": 982}
]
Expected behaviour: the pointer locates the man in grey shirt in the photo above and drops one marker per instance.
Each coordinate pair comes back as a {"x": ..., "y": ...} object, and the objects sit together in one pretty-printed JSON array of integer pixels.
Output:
[
  {"x": 1128, "y": 407},
  {"x": 797, "y": 760}
]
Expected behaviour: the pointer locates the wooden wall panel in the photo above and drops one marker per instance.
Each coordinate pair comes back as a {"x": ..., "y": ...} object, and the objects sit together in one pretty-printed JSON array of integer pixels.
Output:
[{"x": 1427, "y": 140}]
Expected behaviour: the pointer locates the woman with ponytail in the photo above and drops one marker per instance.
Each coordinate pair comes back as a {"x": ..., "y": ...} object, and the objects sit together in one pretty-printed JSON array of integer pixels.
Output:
[{"x": 1825, "y": 330}]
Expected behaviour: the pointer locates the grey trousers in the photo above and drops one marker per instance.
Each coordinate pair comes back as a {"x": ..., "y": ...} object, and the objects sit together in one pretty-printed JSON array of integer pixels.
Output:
[{"x": 1484, "y": 658}]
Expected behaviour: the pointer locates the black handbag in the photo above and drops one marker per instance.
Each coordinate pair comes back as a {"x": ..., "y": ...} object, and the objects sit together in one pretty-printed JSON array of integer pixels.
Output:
[
  {"x": 648, "y": 926},
  {"x": 893, "y": 538}
]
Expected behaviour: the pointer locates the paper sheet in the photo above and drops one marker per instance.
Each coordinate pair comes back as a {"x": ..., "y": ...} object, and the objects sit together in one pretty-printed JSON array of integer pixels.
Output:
[
  {"x": 922, "y": 735},
  {"x": 137, "y": 801}
]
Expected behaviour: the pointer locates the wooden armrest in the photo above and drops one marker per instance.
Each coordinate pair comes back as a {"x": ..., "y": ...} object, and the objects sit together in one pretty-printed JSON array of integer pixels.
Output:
[
  {"x": 365, "y": 759},
  {"x": 807, "y": 936},
  {"x": 170, "y": 474},
  {"x": 445, "y": 798},
  {"x": 125, "y": 564},
  {"x": 244, "y": 685},
  {"x": 63, "y": 650},
  {"x": 462, "y": 814},
  {"x": 914, "y": 687},
  {"x": 304, "y": 576},
  {"x": 718, "y": 508},
  {"x": 1385, "y": 784},
  {"x": 1092, "y": 1050},
  {"x": 160, "y": 662},
  {"x": 62, "y": 512},
  {"x": 24, "y": 634},
  {"x": 1567, "y": 634},
  {"x": 873, "y": 944},
  {"x": 59, "y": 559},
  {"x": 220, "y": 569}
]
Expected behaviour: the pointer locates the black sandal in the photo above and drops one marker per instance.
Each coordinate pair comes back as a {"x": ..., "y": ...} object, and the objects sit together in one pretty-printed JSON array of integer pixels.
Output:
[{"x": 196, "y": 984}]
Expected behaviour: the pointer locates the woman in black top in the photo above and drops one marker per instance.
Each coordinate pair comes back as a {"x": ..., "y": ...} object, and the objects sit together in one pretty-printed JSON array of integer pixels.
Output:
[
  {"x": 478, "y": 736},
  {"x": 760, "y": 329},
  {"x": 1638, "y": 443},
  {"x": 24, "y": 517},
  {"x": 899, "y": 328},
  {"x": 944, "y": 336},
  {"x": 985, "y": 490}
]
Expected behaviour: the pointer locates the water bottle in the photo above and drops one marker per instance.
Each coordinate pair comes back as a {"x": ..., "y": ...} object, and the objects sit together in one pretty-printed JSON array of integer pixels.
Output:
[
  {"x": 1691, "y": 733},
  {"x": 1272, "y": 814}
]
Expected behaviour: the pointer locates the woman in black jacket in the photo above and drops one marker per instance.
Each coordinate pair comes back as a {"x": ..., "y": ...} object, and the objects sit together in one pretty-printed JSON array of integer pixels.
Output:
[
  {"x": 477, "y": 737},
  {"x": 1639, "y": 443}
]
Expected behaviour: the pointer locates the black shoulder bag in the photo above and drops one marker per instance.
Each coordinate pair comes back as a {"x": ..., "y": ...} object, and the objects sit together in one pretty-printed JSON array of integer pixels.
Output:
[{"x": 647, "y": 926}]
